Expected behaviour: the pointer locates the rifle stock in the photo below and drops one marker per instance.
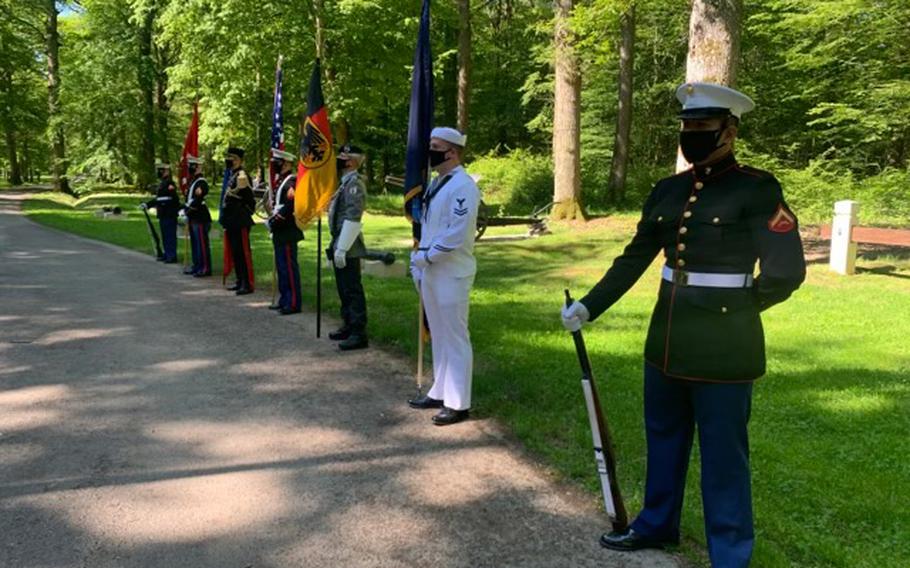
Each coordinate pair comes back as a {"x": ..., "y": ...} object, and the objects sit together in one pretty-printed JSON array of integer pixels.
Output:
[
  {"x": 604, "y": 456},
  {"x": 153, "y": 233}
]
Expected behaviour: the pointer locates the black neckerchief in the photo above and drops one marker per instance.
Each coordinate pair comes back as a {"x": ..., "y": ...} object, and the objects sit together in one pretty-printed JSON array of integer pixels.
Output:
[{"x": 437, "y": 189}]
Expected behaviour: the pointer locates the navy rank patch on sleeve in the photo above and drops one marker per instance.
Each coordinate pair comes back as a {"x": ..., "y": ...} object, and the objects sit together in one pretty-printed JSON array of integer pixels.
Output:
[
  {"x": 460, "y": 210},
  {"x": 782, "y": 221}
]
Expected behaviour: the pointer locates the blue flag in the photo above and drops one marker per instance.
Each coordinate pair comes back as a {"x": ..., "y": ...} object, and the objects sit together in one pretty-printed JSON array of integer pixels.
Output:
[
  {"x": 277, "y": 124},
  {"x": 224, "y": 186},
  {"x": 420, "y": 123}
]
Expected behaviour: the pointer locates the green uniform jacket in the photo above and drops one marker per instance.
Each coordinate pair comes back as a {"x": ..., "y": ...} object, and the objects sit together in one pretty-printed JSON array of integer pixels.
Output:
[
  {"x": 348, "y": 203},
  {"x": 717, "y": 219}
]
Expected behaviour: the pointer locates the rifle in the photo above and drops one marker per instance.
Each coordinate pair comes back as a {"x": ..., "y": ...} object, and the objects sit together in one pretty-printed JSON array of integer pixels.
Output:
[
  {"x": 600, "y": 434},
  {"x": 153, "y": 233}
]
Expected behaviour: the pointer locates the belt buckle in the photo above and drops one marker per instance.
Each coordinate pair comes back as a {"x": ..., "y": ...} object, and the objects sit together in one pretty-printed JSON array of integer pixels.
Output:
[{"x": 680, "y": 277}]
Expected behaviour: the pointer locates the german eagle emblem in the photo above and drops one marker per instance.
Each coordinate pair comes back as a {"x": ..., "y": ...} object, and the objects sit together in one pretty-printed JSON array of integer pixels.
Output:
[{"x": 315, "y": 150}]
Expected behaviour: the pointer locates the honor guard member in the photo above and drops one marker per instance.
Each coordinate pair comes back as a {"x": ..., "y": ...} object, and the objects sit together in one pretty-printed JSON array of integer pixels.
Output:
[
  {"x": 167, "y": 205},
  {"x": 286, "y": 234},
  {"x": 705, "y": 344},
  {"x": 199, "y": 219},
  {"x": 237, "y": 218},
  {"x": 347, "y": 248},
  {"x": 443, "y": 269}
]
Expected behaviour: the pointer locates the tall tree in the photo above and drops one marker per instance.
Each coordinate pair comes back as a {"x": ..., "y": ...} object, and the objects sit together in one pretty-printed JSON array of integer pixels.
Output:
[
  {"x": 620, "y": 161},
  {"x": 52, "y": 52},
  {"x": 464, "y": 63},
  {"x": 714, "y": 42},
  {"x": 146, "y": 80},
  {"x": 566, "y": 119}
]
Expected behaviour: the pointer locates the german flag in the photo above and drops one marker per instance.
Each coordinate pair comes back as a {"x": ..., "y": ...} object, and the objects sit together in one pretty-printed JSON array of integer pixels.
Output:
[{"x": 317, "y": 177}]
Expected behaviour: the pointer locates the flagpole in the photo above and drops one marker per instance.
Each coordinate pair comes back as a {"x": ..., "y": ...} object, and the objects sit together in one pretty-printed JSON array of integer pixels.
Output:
[
  {"x": 319, "y": 277},
  {"x": 421, "y": 338}
]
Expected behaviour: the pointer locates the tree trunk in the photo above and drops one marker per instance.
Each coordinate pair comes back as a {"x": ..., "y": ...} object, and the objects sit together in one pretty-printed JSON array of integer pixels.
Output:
[
  {"x": 464, "y": 63},
  {"x": 57, "y": 141},
  {"x": 9, "y": 128},
  {"x": 566, "y": 119},
  {"x": 624, "y": 114},
  {"x": 146, "y": 80},
  {"x": 164, "y": 107},
  {"x": 714, "y": 33}
]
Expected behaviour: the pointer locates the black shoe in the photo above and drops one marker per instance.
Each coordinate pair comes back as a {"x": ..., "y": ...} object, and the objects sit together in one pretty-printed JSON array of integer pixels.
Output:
[
  {"x": 190, "y": 272},
  {"x": 630, "y": 540},
  {"x": 287, "y": 312},
  {"x": 340, "y": 334},
  {"x": 354, "y": 341},
  {"x": 276, "y": 307},
  {"x": 243, "y": 291},
  {"x": 201, "y": 274},
  {"x": 234, "y": 288},
  {"x": 424, "y": 402},
  {"x": 159, "y": 258},
  {"x": 448, "y": 416}
]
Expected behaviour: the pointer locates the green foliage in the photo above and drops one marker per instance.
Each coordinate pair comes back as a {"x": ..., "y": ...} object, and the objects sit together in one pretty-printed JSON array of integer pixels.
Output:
[{"x": 520, "y": 181}]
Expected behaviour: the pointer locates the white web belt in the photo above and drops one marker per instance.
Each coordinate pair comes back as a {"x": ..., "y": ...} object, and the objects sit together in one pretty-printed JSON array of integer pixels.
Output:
[{"x": 706, "y": 279}]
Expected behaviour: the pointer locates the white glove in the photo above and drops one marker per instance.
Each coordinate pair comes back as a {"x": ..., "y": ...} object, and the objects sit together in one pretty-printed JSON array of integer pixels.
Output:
[
  {"x": 574, "y": 316},
  {"x": 340, "y": 259},
  {"x": 143, "y": 206},
  {"x": 419, "y": 259}
]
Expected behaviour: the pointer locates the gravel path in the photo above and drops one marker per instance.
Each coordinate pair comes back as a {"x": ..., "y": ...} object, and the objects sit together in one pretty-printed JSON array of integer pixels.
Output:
[{"x": 150, "y": 419}]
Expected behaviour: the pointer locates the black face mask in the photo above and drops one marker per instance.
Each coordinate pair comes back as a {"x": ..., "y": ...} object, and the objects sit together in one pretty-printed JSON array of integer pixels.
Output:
[
  {"x": 191, "y": 169},
  {"x": 161, "y": 174},
  {"x": 437, "y": 157},
  {"x": 341, "y": 164},
  {"x": 276, "y": 165},
  {"x": 229, "y": 164},
  {"x": 697, "y": 145}
]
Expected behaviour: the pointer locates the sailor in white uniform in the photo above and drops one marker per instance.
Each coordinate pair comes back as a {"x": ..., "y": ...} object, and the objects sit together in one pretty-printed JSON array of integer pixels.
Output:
[{"x": 443, "y": 269}]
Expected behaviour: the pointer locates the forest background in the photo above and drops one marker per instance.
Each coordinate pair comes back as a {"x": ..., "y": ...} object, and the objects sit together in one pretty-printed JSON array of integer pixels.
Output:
[{"x": 95, "y": 91}]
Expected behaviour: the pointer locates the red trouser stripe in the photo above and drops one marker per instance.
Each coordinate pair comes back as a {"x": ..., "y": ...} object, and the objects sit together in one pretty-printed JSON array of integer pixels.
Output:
[
  {"x": 228, "y": 256},
  {"x": 288, "y": 267},
  {"x": 248, "y": 255},
  {"x": 203, "y": 249}
]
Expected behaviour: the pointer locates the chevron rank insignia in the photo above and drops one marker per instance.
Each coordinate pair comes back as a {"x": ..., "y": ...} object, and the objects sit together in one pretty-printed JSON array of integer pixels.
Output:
[
  {"x": 782, "y": 221},
  {"x": 461, "y": 210}
]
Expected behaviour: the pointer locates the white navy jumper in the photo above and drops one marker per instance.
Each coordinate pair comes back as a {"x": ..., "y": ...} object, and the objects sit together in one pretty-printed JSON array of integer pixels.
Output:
[{"x": 447, "y": 240}]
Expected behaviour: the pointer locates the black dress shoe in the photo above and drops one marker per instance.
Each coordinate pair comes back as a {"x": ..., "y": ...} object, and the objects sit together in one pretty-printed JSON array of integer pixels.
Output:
[
  {"x": 243, "y": 291},
  {"x": 287, "y": 312},
  {"x": 189, "y": 272},
  {"x": 448, "y": 416},
  {"x": 424, "y": 402},
  {"x": 276, "y": 307},
  {"x": 630, "y": 540},
  {"x": 340, "y": 334},
  {"x": 171, "y": 261},
  {"x": 354, "y": 341},
  {"x": 159, "y": 258},
  {"x": 201, "y": 274},
  {"x": 234, "y": 288}
]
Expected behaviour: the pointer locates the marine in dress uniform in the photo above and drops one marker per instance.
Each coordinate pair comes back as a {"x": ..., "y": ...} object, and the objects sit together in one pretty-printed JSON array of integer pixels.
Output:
[
  {"x": 443, "y": 268},
  {"x": 286, "y": 234},
  {"x": 705, "y": 344},
  {"x": 237, "y": 219},
  {"x": 347, "y": 248},
  {"x": 166, "y": 204},
  {"x": 199, "y": 220}
]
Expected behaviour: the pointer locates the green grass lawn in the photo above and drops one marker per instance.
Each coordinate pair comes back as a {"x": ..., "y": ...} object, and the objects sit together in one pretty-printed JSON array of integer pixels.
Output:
[{"x": 831, "y": 420}]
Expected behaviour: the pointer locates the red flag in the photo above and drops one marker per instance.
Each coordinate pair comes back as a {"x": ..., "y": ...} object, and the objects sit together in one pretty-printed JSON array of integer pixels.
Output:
[{"x": 190, "y": 148}]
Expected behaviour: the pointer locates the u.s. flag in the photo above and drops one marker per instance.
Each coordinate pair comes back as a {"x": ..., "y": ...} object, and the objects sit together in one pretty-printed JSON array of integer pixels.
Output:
[{"x": 277, "y": 128}]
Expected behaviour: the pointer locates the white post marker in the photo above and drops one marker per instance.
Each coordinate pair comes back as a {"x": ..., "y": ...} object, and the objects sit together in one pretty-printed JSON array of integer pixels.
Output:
[{"x": 843, "y": 249}]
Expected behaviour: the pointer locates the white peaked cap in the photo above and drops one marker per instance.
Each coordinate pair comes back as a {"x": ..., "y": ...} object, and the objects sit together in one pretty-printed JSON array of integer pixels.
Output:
[
  {"x": 449, "y": 135},
  {"x": 286, "y": 156},
  {"x": 704, "y": 100},
  {"x": 191, "y": 159}
]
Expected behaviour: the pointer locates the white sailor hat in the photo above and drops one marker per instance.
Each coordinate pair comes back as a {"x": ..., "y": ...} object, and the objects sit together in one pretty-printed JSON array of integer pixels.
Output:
[
  {"x": 159, "y": 165},
  {"x": 449, "y": 135},
  {"x": 707, "y": 100},
  {"x": 281, "y": 154},
  {"x": 191, "y": 159}
]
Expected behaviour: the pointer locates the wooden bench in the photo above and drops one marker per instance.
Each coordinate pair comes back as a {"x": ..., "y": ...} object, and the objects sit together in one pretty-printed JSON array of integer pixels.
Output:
[{"x": 874, "y": 236}]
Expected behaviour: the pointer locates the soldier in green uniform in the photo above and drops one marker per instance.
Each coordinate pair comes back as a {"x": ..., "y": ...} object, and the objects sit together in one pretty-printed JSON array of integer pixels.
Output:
[
  {"x": 347, "y": 248},
  {"x": 705, "y": 344}
]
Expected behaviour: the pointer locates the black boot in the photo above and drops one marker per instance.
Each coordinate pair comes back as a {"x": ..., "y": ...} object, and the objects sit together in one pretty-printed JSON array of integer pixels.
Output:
[
  {"x": 629, "y": 540},
  {"x": 354, "y": 341},
  {"x": 340, "y": 334},
  {"x": 448, "y": 416}
]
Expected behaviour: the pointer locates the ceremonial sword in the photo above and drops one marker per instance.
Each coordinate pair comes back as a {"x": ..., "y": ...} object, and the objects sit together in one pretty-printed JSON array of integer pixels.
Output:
[
  {"x": 604, "y": 455},
  {"x": 153, "y": 233}
]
